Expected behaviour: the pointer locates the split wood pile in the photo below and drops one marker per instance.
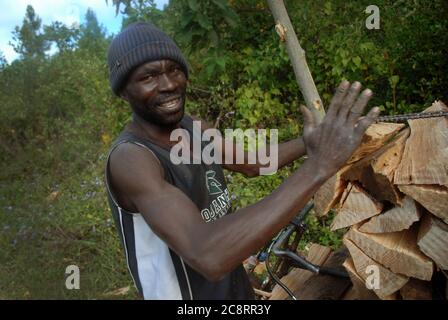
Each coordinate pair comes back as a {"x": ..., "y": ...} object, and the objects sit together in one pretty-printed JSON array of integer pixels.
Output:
[{"x": 393, "y": 197}]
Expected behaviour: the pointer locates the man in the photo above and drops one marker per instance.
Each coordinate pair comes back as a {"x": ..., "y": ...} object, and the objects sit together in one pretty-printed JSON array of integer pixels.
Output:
[{"x": 173, "y": 248}]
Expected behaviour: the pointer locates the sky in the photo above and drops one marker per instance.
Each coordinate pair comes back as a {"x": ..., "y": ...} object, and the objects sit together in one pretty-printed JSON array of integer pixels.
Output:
[{"x": 66, "y": 11}]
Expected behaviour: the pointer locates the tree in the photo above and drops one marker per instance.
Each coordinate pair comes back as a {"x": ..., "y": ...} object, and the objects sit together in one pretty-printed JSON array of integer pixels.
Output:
[
  {"x": 30, "y": 42},
  {"x": 3, "y": 61},
  {"x": 92, "y": 34},
  {"x": 64, "y": 37},
  {"x": 143, "y": 10},
  {"x": 196, "y": 24}
]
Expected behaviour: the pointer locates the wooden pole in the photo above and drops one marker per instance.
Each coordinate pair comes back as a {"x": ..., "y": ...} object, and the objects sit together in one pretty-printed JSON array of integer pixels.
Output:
[{"x": 296, "y": 53}]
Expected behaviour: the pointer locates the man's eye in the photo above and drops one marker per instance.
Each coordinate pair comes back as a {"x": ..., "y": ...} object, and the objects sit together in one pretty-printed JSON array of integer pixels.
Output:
[{"x": 147, "y": 77}]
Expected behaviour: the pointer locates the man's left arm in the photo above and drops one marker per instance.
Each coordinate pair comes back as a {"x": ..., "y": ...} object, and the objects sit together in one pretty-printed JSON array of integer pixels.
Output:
[{"x": 287, "y": 152}]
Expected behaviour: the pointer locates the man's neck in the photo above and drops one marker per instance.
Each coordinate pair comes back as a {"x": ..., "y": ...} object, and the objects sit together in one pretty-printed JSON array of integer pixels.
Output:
[{"x": 151, "y": 131}]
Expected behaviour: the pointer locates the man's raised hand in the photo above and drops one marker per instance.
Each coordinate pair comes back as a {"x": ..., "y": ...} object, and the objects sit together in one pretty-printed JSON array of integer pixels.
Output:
[{"x": 331, "y": 143}]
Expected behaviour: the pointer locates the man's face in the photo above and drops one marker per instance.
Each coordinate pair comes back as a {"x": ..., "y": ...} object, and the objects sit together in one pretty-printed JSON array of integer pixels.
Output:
[{"x": 156, "y": 92}]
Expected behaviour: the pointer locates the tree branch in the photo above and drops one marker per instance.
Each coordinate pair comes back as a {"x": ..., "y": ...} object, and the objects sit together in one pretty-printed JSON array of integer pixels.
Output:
[{"x": 286, "y": 32}]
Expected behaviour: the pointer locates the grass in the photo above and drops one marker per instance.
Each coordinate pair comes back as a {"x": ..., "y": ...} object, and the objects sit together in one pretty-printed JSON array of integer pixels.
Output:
[{"x": 50, "y": 221}]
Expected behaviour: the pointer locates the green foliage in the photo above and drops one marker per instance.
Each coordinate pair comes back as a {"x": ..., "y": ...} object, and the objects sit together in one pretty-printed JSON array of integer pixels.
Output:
[
  {"x": 202, "y": 23},
  {"x": 30, "y": 42},
  {"x": 92, "y": 34},
  {"x": 256, "y": 106},
  {"x": 318, "y": 231},
  {"x": 142, "y": 10},
  {"x": 65, "y": 38}
]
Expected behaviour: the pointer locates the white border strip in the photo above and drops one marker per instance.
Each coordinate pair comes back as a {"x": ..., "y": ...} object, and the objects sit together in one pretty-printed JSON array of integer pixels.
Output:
[
  {"x": 186, "y": 276},
  {"x": 126, "y": 248}
]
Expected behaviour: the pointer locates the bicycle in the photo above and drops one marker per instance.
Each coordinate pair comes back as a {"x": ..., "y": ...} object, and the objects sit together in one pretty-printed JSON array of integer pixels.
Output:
[{"x": 285, "y": 250}]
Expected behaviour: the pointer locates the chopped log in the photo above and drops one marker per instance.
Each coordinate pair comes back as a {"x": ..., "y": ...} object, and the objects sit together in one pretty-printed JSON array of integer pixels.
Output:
[
  {"x": 359, "y": 290},
  {"x": 389, "y": 282},
  {"x": 433, "y": 240},
  {"x": 416, "y": 290},
  {"x": 425, "y": 156},
  {"x": 345, "y": 195},
  {"x": 376, "y": 171},
  {"x": 396, "y": 251},
  {"x": 395, "y": 219},
  {"x": 434, "y": 198},
  {"x": 374, "y": 138},
  {"x": 262, "y": 293},
  {"x": 387, "y": 160},
  {"x": 295, "y": 279},
  {"x": 357, "y": 207},
  {"x": 326, "y": 287},
  {"x": 329, "y": 193}
]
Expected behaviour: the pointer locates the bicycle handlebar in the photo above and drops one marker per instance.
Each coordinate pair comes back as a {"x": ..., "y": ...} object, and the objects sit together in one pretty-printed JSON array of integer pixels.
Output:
[{"x": 300, "y": 262}]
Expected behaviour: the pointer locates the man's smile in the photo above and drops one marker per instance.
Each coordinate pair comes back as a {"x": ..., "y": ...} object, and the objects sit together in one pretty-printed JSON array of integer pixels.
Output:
[{"x": 171, "y": 105}]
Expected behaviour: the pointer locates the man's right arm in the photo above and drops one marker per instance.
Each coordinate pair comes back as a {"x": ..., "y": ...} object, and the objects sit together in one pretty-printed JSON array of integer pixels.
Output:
[{"x": 217, "y": 247}]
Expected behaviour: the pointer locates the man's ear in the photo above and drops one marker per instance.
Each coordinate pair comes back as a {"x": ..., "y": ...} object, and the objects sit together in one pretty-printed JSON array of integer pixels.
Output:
[{"x": 124, "y": 94}]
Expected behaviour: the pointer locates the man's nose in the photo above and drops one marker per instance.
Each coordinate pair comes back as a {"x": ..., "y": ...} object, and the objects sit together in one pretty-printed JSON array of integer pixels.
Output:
[{"x": 166, "y": 83}]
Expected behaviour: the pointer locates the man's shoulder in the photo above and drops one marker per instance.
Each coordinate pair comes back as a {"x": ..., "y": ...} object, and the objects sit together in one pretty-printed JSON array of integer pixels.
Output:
[
  {"x": 131, "y": 151},
  {"x": 128, "y": 151},
  {"x": 133, "y": 161}
]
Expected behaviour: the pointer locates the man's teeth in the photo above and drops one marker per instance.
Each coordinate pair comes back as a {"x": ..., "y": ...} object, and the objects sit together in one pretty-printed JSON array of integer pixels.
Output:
[{"x": 170, "y": 104}]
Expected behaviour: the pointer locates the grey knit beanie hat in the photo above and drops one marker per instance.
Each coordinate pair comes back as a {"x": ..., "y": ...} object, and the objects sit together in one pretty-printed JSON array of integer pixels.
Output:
[{"x": 139, "y": 43}]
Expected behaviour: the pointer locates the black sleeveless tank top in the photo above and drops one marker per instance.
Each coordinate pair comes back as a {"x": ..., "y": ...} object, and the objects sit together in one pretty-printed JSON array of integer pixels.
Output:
[{"x": 157, "y": 271}]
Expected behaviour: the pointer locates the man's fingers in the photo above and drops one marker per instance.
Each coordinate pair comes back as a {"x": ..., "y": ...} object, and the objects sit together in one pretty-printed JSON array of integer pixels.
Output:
[
  {"x": 350, "y": 98},
  {"x": 309, "y": 122},
  {"x": 358, "y": 109},
  {"x": 366, "y": 121},
  {"x": 337, "y": 99}
]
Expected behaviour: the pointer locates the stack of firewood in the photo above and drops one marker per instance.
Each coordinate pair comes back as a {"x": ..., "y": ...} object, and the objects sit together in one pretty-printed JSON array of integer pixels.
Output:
[{"x": 393, "y": 197}]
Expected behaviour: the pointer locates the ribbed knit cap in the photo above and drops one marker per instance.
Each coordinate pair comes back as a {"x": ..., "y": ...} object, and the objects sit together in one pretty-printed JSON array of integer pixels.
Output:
[{"x": 139, "y": 43}]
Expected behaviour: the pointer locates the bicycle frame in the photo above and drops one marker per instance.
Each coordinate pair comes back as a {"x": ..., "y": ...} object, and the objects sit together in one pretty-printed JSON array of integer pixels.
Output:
[{"x": 290, "y": 256}]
